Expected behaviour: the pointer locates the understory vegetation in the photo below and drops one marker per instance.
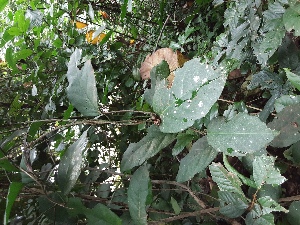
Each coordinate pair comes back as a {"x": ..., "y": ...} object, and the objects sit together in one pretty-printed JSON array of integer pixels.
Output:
[{"x": 150, "y": 112}]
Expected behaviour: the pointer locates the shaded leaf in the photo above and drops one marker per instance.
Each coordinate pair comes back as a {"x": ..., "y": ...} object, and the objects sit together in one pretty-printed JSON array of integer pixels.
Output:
[
  {"x": 150, "y": 145},
  {"x": 102, "y": 215},
  {"x": 269, "y": 205},
  {"x": 137, "y": 195},
  {"x": 267, "y": 219},
  {"x": 183, "y": 139},
  {"x": 70, "y": 164},
  {"x": 225, "y": 180},
  {"x": 293, "y": 78},
  {"x": 293, "y": 215},
  {"x": 199, "y": 157},
  {"x": 242, "y": 134},
  {"x": 82, "y": 91},
  {"x": 264, "y": 171},
  {"x": 13, "y": 191},
  {"x": 175, "y": 206},
  {"x": 286, "y": 122},
  {"x": 286, "y": 100},
  {"x": 195, "y": 89},
  {"x": 232, "y": 205},
  {"x": 291, "y": 19}
]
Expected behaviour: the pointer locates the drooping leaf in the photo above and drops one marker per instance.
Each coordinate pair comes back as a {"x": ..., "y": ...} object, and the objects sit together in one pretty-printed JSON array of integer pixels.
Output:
[
  {"x": 293, "y": 215},
  {"x": 291, "y": 19},
  {"x": 82, "y": 91},
  {"x": 293, "y": 78},
  {"x": 225, "y": 180},
  {"x": 242, "y": 134},
  {"x": 137, "y": 195},
  {"x": 70, "y": 165},
  {"x": 199, "y": 157},
  {"x": 264, "y": 171},
  {"x": 13, "y": 191},
  {"x": 287, "y": 122},
  {"x": 195, "y": 89},
  {"x": 175, "y": 206},
  {"x": 232, "y": 205},
  {"x": 152, "y": 143},
  {"x": 102, "y": 215}
]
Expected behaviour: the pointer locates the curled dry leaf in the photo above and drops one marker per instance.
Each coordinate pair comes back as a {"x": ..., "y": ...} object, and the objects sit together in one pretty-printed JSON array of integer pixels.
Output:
[{"x": 166, "y": 54}]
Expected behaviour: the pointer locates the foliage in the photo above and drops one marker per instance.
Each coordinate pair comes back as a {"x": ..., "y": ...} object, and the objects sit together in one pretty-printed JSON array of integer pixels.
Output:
[{"x": 149, "y": 112}]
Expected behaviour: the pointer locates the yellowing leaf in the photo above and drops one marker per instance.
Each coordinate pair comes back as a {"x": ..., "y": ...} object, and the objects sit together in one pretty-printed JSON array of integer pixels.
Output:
[
  {"x": 104, "y": 14},
  {"x": 132, "y": 41},
  {"x": 80, "y": 25},
  {"x": 94, "y": 40}
]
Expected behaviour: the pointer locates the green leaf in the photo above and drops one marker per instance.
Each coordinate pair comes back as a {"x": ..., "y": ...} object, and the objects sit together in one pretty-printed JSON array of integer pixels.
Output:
[
  {"x": 183, "y": 139},
  {"x": 3, "y": 3},
  {"x": 14, "y": 31},
  {"x": 6, "y": 37},
  {"x": 70, "y": 164},
  {"x": 199, "y": 157},
  {"x": 195, "y": 89},
  {"x": 75, "y": 207},
  {"x": 10, "y": 58},
  {"x": 137, "y": 153},
  {"x": 293, "y": 78},
  {"x": 254, "y": 219},
  {"x": 137, "y": 195},
  {"x": 293, "y": 215},
  {"x": 102, "y": 215},
  {"x": 34, "y": 127},
  {"x": 175, "y": 206},
  {"x": 286, "y": 100},
  {"x": 287, "y": 122},
  {"x": 82, "y": 91},
  {"x": 291, "y": 19},
  {"x": 15, "y": 106},
  {"x": 123, "y": 9},
  {"x": 264, "y": 171},
  {"x": 244, "y": 179},
  {"x": 243, "y": 134},
  {"x": 269, "y": 205},
  {"x": 232, "y": 205},
  {"x": 225, "y": 180},
  {"x": 13, "y": 191}
]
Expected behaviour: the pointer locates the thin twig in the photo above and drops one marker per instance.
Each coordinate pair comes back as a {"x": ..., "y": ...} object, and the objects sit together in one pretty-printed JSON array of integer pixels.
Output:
[{"x": 160, "y": 34}]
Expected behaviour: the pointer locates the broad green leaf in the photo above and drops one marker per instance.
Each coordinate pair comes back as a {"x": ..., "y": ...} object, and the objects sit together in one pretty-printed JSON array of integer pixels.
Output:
[
  {"x": 232, "y": 205},
  {"x": 225, "y": 180},
  {"x": 264, "y": 171},
  {"x": 267, "y": 219},
  {"x": 286, "y": 100},
  {"x": 293, "y": 215},
  {"x": 137, "y": 195},
  {"x": 69, "y": 167},
  {"x": 15, "y": 106},
  {"x": 269, "y": 190},
  {"x": 242, "y": 134},
  {"x": 293, "y": 78},
  {"x": 175, "y": 206},
  {"x": 75, "y": 207},
  {"x": 102, "y": 215},
  {"x": 196, "y": 87},
  {"x": 287, "y": 122},
  {"x": 199, "y": 157},
  {"x": 269, "y": 205},
  {"x": 34, "y": 127},
  {"x": 3, "y": 3},
  {"x": 183, "y": 139},
  {"x": 82, "y": 91},
  {"x": 13, "y": 191},
  {"x": 137, "y": 153},
  {"x": 6, "y": 37},
  {"x": 291, "y": 19},
  {"x": 14, "y": 31}
]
